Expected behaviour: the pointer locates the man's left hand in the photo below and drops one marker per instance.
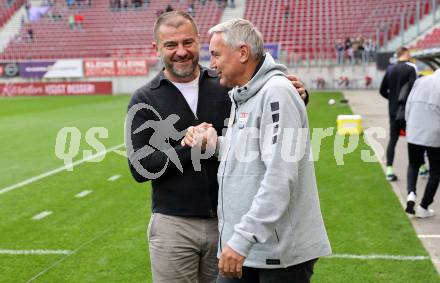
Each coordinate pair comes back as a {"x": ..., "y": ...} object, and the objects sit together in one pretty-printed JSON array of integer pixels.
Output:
[
  {"x": 299, "y": 87},
  {"x": 231, "y": 263}
]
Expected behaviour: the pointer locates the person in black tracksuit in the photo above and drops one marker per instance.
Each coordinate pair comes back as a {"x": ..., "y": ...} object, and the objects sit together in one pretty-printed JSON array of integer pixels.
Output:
[{"x": 394, "y": 80}]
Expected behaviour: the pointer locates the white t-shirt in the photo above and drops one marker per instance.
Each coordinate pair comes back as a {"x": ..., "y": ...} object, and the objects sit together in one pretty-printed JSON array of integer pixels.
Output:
[{"x": 190, "y": 91}]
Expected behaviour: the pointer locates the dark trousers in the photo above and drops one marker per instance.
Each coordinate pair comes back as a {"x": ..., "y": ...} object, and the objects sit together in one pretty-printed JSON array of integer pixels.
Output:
[
  {"x": 300, "y": 273},
  {"x": 415, "y": 154},
  {"x": 395, "y": 128}
]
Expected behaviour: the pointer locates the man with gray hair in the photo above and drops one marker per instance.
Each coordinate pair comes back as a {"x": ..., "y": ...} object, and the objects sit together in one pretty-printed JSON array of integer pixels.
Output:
[{"x": 270, "y": 223}]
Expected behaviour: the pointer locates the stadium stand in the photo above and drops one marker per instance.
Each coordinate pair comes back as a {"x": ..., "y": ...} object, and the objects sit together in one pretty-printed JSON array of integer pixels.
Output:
[
  {"x": 105, "y": 32},
  {"x": 431, "y": 40},
  {"x": 305, "y": 29},
  {"x": 8, "y": 8},
  {"x": 310, "y": 28}
]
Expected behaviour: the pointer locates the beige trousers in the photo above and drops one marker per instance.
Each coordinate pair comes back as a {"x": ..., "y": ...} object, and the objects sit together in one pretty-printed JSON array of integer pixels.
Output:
[{"x": 183, "y": 249}]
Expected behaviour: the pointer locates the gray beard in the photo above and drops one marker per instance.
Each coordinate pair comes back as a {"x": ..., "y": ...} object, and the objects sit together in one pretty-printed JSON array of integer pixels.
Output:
[{"x": 177, "y": 73}]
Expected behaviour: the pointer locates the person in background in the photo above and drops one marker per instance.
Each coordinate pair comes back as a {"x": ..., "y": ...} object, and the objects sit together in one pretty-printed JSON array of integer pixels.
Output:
[
  {"x": 286, "y": 9},
  {"x": 79, "y": 21},
  {"x": 368, "y": 48},
  {"x": 191, "y": 10},
  {"x": 348, "y": 45},
  {"x": 70, "y": 3},
  {"x": 396, "y": 77},
  {"x": 339, "y": 46},
  {"x": 30, "y": 33},
  {"x": 71, "y": 21},
  {"x": 169, "y": 8},
  {"x": 422, "y": 114},
  {"x": 27, "y": 7}
]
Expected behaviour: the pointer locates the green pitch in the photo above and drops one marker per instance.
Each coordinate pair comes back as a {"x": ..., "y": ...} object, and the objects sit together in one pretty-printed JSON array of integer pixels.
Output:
[{"x": 101, "y": 237}]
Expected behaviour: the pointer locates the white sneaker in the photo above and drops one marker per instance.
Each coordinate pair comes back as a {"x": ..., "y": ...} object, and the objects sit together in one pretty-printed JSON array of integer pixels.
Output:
[
  {"x": 410, "y": 203},
  {"x": 424, "y": 213}
]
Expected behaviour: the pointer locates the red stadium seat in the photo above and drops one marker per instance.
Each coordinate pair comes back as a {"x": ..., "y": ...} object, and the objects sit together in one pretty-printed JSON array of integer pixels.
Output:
[
  {"x": 104, "y": 33},
  {"x": 430, "y": 41},
  {"x": 311, "y": 27},
  {"x": 7, "y": 10},
  {"x": 320, "y": 23}
]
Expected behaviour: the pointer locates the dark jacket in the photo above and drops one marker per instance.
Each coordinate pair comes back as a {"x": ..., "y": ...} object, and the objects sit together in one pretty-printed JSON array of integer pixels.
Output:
[
  {"x": 187, "y": 193},
  {"x": 393, "y": 81}
]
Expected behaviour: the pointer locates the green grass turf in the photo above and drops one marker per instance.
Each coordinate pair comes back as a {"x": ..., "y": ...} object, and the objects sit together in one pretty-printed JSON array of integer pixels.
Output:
[
  {"x": 29, "y": 126},
  {"x": 107, "y": 229},
  {"x": 361, "y": 213}
]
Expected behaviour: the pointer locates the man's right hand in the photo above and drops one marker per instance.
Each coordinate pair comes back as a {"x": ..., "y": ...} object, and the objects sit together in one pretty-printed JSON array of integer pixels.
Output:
[{"x": 199, "y": 136}]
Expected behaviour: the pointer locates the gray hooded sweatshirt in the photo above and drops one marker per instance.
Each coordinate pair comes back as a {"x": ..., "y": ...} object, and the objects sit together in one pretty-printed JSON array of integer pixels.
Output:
[
  {"x": 268, "y": 199},
  {"x": 422, "y": 111}
]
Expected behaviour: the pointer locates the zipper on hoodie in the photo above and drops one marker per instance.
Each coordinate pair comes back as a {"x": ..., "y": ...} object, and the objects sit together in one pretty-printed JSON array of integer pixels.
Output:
[
  {"x": 223, "y": 176},
  {"x": 276, "y": 234}
]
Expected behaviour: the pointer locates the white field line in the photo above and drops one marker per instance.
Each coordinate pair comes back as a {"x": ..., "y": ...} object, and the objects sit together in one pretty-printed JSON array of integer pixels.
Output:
[
  {"x": 377, "y": 256},
  {"x": 83, "y": 194},
  {"x": 99, "y": 235},
  {"x": 42, "y": 215},
  {"x": 114, "y": 178},
  {"x": 35, "y": 252},
  {"x": 350, "y": 256},
  {"x": 121, "y": 152},
  {"x": 428, "y": 236},
  {"x": 55, "y": 171}
]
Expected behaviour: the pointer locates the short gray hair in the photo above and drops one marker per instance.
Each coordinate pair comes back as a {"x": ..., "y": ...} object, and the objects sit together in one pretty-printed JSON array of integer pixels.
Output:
[{"x": 239, "y": 31}]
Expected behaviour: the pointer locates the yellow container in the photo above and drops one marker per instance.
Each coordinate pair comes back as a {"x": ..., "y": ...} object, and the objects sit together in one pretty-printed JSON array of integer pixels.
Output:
[{"x": 349, "y": 124}]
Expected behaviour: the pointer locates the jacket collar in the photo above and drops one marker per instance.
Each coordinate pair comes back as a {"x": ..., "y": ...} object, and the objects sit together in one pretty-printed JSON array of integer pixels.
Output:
[
  {"x": 267, "y": 70},
  {"x": 155, "y": 83}
]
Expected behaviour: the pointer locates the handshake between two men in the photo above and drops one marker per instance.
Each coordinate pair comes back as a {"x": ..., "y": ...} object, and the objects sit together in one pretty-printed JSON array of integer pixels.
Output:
[{"x": 203, "y": 136}]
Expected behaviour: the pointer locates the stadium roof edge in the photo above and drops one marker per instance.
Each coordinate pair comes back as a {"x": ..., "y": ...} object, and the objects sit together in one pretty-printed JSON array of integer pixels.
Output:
[
  {"x": 426, "y": 53},
  {"x": 431, "y": 57}
]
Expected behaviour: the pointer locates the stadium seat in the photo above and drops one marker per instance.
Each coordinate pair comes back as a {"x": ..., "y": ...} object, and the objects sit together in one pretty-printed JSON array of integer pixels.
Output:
[
  {"x": 430, "y": 41},
  {"x": 309, "y": 30},
  {"x": 8, "y": 8},
  {"x": 314, "y": 26},
  {"x": 105, "y": 32}
]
